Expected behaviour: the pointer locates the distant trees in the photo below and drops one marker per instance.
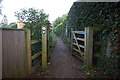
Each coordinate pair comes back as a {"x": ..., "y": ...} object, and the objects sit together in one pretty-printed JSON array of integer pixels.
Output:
[
  {"x": 59, "y": 25},
  {"x": 4, "y": 22},
  {"x": 0, "y": 7}
]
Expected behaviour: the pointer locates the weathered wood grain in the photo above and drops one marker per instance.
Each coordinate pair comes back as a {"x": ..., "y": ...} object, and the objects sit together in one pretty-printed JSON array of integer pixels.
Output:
[
  {"x": 44, "y": 49},
  {"x": 0, "y": 54},
  {"x": 16, "y": 52},
  {"x": 28, "y": 51},
  {"x": 36, "y": 55},
  {"x": 86, "y": 56},
  {"x": 89, "y": 46}
]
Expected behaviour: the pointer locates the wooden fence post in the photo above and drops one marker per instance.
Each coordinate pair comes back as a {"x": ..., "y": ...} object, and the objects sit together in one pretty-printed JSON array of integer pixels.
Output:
[
  {"x": 0, "y": 54},
  {"x": 28, "y": 50},
  {"x": 44, "y": 48},
  {"x": 48, "y": 42},
  {"x": 88, "y": 46}
]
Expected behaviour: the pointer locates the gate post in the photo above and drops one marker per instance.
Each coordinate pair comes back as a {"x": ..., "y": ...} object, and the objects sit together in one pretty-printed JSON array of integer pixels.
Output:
[
  {"x": 28, "y": 50},
  {"x": 44, "y": 48},
  {"x": 48, "y": 42},
  {"x": 88, "y": 46},
  {"x": 0, "y": 53}
]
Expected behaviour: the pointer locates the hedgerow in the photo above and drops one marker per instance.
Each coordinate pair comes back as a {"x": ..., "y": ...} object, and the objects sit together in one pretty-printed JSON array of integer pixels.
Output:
[{"x": 105, "y": 17}]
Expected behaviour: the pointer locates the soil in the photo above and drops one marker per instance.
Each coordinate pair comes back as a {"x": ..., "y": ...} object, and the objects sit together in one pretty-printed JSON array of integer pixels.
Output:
[{"x": 63, "y": 65}]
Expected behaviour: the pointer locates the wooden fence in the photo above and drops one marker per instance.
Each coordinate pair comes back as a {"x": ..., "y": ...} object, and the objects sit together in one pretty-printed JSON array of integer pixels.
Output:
[
  {"x": 36, "y": 55},
  {"x": 16, "y": 53},
  {"x": 0, "y": 54},
  {"x": 83, "y": 51},
  {"x": 44, "y": 54}
]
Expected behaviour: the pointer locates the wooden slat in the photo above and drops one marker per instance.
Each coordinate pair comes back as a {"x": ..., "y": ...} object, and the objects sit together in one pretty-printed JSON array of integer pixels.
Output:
[
  {"x": 79, "y": 32},
  {"x": 81, "y": 58},
  {"x": 79, "y": 45},
  {"x": 74, "y": 44},
  {"x": 80, "y": 39},
  {"x": 36, "y": 55},
  {"x": 0, "y": 54},
  {"x": 76, "y": 50},
  {"x": 35, "y": 41},
  {"x": 14, "y": 29},
  {"x": 14, "y": 57},
  {"x": 81, "y": 53}
]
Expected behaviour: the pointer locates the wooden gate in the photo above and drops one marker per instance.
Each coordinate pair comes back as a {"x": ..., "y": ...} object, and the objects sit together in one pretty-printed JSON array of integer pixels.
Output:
[{"x": 82, "y": 45}]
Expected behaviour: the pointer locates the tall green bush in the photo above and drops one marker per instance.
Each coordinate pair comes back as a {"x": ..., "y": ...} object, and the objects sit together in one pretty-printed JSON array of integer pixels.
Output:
[
  {"x": 106, "y": 17},
  {"x": 60, "y": 25},
  {"x": 34, "y": 19}
]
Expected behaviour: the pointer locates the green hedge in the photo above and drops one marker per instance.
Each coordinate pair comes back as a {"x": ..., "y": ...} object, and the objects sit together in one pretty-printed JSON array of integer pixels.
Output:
[{"x": 104, "y": 16}]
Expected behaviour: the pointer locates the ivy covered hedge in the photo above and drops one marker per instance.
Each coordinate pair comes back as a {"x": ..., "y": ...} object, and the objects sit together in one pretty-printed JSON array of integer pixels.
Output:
[{"x": 106, "y": 18}]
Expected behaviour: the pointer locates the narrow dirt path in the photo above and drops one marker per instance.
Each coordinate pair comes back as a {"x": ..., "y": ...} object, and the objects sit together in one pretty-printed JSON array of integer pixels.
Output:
[{"x": 63, "y": 64}]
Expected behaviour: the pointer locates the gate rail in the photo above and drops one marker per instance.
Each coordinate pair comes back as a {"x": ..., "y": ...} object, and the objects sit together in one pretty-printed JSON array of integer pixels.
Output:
[{"x": 86, "y": 55}]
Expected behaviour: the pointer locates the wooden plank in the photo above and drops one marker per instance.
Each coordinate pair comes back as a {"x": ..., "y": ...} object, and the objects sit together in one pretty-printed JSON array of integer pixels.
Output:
[
  {"x": 44, "y": 48},
  {"x": 89, "y": 46},
  {"x": 14, "y": 56},
  {"x": 36, "y": 55},
  {"x": 28, "y": 50},
  {"x": 76, "y": 50},
  {"x": 35, "y": 41},
  {"x": 81, "y": 58},
  {"x": 79, "y": 32},
  {"x": 76, "y": 42},
  {"x": 14, "y": 29},
  {"x": 80, "y": 39},
  {"x": 81, "y": 53},
  {"x": 79, "y": 45},
  {"x": 0, "y": 54}
]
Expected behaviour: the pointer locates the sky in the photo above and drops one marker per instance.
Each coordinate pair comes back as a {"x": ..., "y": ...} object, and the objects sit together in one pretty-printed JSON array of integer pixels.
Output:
[{"x": 55, "y": 8}]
